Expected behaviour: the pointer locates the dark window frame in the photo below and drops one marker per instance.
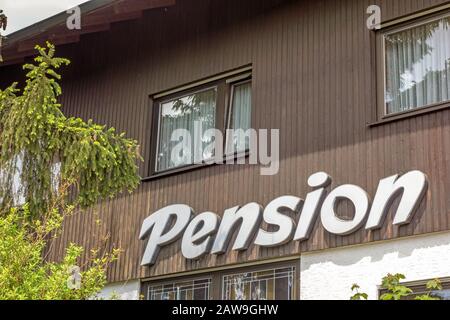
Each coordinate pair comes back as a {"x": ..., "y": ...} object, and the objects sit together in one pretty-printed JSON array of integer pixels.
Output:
[
  {"x": 224, "y": 87},
  {"x": 261, "y": 269},
  {"x": 406, "y": 22},
  {"x": 217, "y": 276},
  {"x": 145, "y": 286}
]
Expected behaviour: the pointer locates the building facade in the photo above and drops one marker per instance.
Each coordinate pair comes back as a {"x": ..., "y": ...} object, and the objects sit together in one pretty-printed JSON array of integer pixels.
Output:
[{"x": 364, "y": 139}]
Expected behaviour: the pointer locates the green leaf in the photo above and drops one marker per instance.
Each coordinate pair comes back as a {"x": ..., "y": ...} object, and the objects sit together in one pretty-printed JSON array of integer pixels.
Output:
[{"x": 434, "y": 285}]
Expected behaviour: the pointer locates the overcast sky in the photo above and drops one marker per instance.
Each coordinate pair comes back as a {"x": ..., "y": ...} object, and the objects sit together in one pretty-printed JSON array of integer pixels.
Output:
[{"x": 22, "y": 13}]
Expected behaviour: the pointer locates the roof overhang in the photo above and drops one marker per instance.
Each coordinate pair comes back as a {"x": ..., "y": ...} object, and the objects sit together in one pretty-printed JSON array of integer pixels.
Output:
[{"x": 96, "y": 16}]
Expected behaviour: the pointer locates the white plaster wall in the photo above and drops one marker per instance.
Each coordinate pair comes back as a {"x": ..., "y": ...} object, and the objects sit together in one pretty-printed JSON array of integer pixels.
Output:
[
  {"x": 329, "y": 275},
  {"x": 122, "y": 290}
]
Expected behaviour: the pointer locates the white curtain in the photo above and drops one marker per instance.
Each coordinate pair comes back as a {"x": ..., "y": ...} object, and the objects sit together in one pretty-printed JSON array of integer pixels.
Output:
[
  {"x": 12, "y": 182},
  {"x": 241, "y": 115},
  {"x": 184, "y": 113},
  {"x": 418, "y": 66}
]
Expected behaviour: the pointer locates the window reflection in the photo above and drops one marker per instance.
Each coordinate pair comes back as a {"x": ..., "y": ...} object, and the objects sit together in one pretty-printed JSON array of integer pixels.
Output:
[
  {"x": 187, "y": 290},
  {"x": 240, "y": 120},
  {"x": 442, "y": 294},
  {"x": 418, "y": 66},
  {"x": 275, "y": 284},
  {"x": 187, "y": 117}
]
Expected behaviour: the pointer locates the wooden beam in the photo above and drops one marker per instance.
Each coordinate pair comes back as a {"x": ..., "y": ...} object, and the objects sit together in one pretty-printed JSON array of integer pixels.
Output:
[
  {"x": 92, "y": 22},
  {"x": 14, "y": 55},
  {"x": 62, "y": 29},
  {"x": 29, "y": 44},
  {"x": 9, "y": 61},
  {"x": 124, "y": 7},
  {"x": 61, "y": 35},
  {"x": 95, "y": 20}
]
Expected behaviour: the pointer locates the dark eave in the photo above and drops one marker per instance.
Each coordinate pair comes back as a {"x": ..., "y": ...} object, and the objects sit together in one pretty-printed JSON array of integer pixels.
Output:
[{"x": 96, "y": 16}]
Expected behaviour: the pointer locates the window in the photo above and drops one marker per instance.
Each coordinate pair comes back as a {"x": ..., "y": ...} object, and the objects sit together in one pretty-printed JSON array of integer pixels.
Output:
[
  {"x": 420, "y": 288},
  {"x": 186, "y": 121},
  {"x": 275, "y": 281},
  {"x": 12, "y": 182},
  {"x": 196, "y": 111},
  {"x": 188, "y": 290},
  {"x": 416, "y": 60},
  {"x": 240, "y": 116},
  {"x": 275, "y": 284},
  {"x": 443, "y": 294}
]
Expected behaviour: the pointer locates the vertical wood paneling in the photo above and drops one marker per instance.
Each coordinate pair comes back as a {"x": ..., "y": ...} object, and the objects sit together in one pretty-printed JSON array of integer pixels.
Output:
[{"x": 313, "y": 78}]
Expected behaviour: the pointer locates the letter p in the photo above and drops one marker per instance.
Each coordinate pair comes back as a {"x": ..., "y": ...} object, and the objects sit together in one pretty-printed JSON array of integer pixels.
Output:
[{"x": 163, "y": 229}]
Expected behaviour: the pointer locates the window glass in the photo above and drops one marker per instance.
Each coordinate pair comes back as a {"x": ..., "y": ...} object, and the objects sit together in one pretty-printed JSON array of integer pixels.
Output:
[
  {"x": 240, "y": 118},
  {"x": 183, "y": 129},
  {"x": 417, "y": 66},
  {"x": 13, "y": 181},
  {"x": 192, "y": 128},
  {"x": 188, "y": 290},
  {"x": 272, "y": 282},
  {"x": 442, "y": 294},
  {"x": 275, "y": 284}
]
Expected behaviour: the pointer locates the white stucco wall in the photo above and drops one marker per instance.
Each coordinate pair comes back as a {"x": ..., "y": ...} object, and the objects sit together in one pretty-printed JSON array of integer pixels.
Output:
[
  {"x": 329, "y": 275},
  {"x": 121, "y": 290}
]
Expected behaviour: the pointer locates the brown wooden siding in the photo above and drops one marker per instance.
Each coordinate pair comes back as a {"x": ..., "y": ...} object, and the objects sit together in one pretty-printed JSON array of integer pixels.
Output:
[{"x": 313, "y": 78}]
